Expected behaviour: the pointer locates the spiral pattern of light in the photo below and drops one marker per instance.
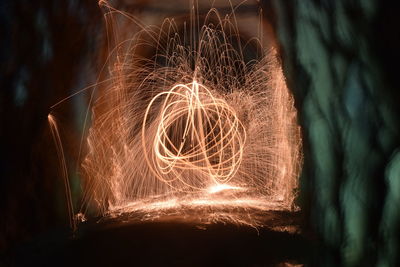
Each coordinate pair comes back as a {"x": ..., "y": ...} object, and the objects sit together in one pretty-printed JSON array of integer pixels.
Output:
[{"x": 196, "y": 132}]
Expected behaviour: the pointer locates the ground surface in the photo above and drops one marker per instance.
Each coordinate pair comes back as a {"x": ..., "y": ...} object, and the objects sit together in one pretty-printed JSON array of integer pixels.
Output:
[{"x": 170, "y": 242}]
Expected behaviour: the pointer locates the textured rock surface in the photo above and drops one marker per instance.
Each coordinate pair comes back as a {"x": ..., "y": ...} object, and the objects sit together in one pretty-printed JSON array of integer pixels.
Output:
[{"x": 338, "y": 58}]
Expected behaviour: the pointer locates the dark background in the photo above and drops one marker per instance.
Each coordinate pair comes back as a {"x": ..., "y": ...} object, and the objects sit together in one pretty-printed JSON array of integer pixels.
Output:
[{"x": 340, "y": 60}]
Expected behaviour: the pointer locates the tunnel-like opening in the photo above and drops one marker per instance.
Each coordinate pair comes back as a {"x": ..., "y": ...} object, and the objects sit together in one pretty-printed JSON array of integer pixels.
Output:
[{"x": 195, "y": 115}]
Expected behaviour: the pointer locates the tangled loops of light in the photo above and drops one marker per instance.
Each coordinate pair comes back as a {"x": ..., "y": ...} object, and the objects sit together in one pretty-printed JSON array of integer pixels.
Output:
[
  {"x": 195, "y": 132},
  {"x": 190, "y": 115}
]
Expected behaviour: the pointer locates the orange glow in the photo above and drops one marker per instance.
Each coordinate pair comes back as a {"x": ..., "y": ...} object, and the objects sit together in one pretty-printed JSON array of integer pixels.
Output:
[
  {"x": 198, "y": 139},
  {"x": 221, "y": 187},
  {"x": 193, "y": 127}
]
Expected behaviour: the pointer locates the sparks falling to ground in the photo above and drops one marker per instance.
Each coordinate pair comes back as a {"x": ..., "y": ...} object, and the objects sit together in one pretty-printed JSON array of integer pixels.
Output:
[{"x": 195, "y": 129}]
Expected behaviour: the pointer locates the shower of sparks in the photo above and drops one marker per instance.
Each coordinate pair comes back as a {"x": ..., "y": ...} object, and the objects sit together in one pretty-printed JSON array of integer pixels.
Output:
[{"x": 194, "y": 127}]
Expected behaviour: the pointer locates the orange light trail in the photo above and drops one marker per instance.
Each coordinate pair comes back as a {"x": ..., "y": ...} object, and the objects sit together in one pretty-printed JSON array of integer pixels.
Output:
[
  {"x": 198, "y": 140},
  {"x": 193, "y": 127}
]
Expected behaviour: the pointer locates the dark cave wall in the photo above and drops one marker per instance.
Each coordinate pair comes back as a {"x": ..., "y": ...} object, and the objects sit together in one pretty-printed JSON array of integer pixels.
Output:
[
  {"x": 338, "y": 58},
  {"x": 46, "y": 53}
]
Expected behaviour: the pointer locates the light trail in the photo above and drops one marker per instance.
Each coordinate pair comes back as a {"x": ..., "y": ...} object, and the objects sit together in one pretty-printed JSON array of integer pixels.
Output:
[
  {"x": 198, "y": 139},
  {"x": 193, "y": 127}
]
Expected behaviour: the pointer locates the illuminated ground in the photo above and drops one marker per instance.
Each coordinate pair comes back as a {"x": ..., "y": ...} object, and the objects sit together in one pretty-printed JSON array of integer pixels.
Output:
[{"x": 219, "y": 204}]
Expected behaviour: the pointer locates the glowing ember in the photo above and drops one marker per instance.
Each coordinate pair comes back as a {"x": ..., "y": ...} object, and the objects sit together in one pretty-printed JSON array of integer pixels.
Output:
[
  {"x": 193, "y": 127},
  {"x": 222, "y": 187}
]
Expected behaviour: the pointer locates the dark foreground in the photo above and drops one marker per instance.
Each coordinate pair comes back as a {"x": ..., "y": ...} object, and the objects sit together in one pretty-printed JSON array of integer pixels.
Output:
[{"x": 169, "y": 243}]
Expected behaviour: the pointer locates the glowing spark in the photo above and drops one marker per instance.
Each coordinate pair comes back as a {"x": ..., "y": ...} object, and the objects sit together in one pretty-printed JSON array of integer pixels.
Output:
[
  {"x": 222, "y": 187},
  {"x": 60, "y": 151}
]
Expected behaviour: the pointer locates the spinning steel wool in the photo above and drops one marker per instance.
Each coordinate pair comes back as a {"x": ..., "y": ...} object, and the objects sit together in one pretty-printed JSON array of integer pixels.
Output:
[
  {"x": 198, "y": 137},
  {"x": 194, "y": 126}
]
